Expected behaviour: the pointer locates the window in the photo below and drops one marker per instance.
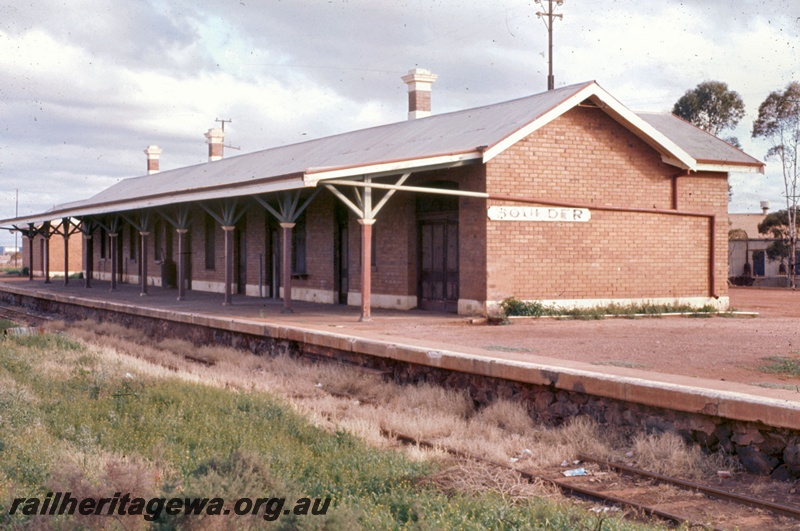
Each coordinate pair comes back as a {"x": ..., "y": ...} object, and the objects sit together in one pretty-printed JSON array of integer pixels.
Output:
[
  {"x": 299, "y": 246},
  {"x": 211, "y": 242}
]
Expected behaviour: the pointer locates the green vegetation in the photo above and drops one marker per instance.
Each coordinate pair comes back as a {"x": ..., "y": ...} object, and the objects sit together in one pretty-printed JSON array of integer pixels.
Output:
[
  {"x": 515, "y": 307},
  {"x": 72, "y": 276},
  {"x": 5, "y": 324},
  {"x": 770, "y": 385},
  {"x": 782, "y": 365},
  {"x": 93, "y": 422},
  {"x": 506, "y": 348},
  {"x": 621, "y": 363}
]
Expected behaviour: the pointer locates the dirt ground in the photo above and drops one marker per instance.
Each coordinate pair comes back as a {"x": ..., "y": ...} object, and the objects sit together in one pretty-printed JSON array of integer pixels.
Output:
[{"x": 718, "y": 348}]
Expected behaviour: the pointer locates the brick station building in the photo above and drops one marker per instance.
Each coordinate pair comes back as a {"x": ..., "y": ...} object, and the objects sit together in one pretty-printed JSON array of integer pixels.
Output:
[{"x": 565, "y": 197}]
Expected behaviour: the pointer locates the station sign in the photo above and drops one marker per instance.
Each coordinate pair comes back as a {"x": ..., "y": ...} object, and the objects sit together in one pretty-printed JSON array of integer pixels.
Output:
[{"x": 522, "y": 213}]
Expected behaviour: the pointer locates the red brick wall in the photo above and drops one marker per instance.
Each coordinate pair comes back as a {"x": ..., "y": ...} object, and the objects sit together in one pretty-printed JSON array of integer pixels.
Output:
[
  {"x": 584, "y": 156},
  {"x": 319, "y": 245},
  {"x": 708, "y": 192},
  {"x": 56, "y": 254},
  {"x": 394, "y": 272}
]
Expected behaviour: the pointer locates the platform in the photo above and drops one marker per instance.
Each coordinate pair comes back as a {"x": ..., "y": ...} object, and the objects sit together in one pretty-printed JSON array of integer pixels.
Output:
[{"x": 666, "y": 363}]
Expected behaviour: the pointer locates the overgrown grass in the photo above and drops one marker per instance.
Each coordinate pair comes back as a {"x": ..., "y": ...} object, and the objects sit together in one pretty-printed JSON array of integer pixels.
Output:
[
  {"x": 782, "y": 365},
  {"x": 5, "y": 324},
  {"x": 515, "y": 307},
  {"x": 506, "y": 348},
  {"x": 86, "y": 420},
  {"x": 772, "y": 385},
  {"x": 621, "y": 363}
]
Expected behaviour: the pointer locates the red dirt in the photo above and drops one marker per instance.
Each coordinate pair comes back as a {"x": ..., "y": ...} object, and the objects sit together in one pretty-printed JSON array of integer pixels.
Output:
[{"x": 731, "y": 349}]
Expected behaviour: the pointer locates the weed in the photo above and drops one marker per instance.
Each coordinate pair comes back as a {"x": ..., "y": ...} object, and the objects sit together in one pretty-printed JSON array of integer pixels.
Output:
[
  {"x": 51, "y": 341},
  {"x": 666, "y": 453},
  {"x": 770, "y": 385},
  {"x": 782, "y": 365},
  {"x": 93, "y": 405},
  {"x": 505, "y": 348},
  {"x": 507, "y": 415},
  {"x": 515, "y": 307},
  {"x": 621, "y": 363},
  {"x": 5, "y": 324}
]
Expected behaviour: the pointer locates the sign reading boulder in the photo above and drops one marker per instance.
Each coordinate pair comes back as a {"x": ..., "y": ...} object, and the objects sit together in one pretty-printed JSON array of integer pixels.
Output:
[{"x": 514, "y": 213}]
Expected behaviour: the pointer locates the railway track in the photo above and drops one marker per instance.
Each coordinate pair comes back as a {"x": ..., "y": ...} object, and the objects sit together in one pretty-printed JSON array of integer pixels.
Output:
[{"x": 644, "y": 494}]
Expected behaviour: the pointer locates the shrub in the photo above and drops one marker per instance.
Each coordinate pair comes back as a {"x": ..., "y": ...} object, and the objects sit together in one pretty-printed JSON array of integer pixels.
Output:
[{"x": 514, "y": 306}]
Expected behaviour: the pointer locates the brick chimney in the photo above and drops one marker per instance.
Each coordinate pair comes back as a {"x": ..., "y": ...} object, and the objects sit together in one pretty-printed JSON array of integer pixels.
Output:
[
  {"x": 419, "y": 83},
  {"x": 153, "y": 153},
  {"x": 214, "y": 139}
]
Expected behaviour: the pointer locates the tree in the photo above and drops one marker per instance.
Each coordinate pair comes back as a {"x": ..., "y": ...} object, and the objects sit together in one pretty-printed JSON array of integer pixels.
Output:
[
  {"x": 777, "y": 226},
  {"x": 779, "y": 122},
  {"x": 712, "y": 107}
]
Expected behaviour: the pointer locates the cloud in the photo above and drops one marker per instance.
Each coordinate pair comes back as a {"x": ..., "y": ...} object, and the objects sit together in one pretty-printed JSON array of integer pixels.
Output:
[{"x": 88, "y": 84}]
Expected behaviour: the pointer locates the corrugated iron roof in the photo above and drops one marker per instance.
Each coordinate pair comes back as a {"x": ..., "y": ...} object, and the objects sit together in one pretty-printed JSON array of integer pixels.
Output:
[
  {"x": 413, "y": 144},
  {"x": 702, "y": 146}
]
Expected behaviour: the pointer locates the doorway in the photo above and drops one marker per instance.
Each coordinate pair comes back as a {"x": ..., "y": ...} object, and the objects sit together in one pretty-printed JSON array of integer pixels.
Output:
[
  {"x": 438, "y": 271},
  {"x": 759, "y": 263},
  {"x": 240, "y": 255},
  {"x": 341, "y": 271}
]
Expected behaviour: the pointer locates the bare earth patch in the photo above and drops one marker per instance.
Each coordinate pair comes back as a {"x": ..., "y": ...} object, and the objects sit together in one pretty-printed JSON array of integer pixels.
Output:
[{"x": 720, "y": 348}]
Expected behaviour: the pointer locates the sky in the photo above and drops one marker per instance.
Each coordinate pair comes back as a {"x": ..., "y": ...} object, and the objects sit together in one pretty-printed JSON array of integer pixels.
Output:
[{"x": 87, "y": 85}]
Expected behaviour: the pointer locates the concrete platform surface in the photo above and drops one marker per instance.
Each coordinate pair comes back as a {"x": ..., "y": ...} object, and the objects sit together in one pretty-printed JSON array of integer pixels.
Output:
[{"x": 712, "y": 365}]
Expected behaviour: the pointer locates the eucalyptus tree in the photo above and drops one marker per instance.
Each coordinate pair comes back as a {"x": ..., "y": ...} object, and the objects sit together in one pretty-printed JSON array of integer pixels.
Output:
[{"x": 778, "y": 122}]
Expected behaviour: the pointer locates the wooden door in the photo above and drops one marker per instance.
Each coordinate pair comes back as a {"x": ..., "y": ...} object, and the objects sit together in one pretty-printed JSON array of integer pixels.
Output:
[
  {"x": 759, "y": 263},
  {"x": 438, "y": 267}
]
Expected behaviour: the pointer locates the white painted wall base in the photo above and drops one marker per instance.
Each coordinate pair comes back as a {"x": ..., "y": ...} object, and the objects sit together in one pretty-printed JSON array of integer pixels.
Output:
[
  {"x": 321, "y": 296},
  {"x": 126, "y": 279},
  {"x": 211, "y": 287},
  {"x": 470, "y": 307},
  {"x": 56, "y": 273},
  {"x": 389, "y": 302}
]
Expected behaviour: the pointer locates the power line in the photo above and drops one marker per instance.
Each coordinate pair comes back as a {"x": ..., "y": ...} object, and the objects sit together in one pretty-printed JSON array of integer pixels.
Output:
[{"x": 550, "y": 15}]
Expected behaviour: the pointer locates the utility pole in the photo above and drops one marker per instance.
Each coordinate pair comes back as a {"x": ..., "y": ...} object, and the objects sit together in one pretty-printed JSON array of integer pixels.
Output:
[
  {"x": 549, "y": 16},
  {"x": 16, "y": 215},
  {"x": 223, "y": 121}
]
